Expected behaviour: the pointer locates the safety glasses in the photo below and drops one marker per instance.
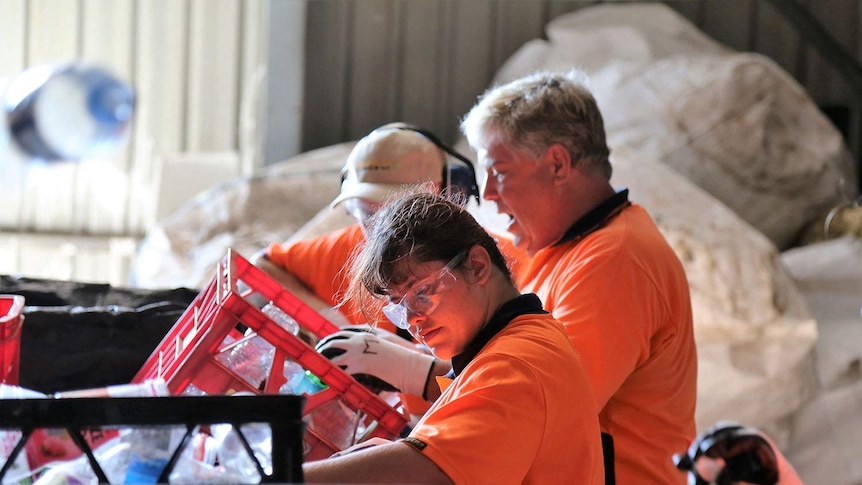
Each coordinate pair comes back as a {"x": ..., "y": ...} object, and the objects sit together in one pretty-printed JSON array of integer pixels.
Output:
[
  {"x": 361, "y": 209},
  {"x": 424, "y": 297}
]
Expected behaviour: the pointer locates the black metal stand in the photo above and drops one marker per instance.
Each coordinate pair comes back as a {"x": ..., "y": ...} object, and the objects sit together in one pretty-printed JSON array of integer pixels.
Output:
[{"x": 283, "y": 413}]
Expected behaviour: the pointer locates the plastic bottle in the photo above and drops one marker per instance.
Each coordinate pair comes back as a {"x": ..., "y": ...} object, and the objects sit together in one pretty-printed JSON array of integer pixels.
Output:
[
  {"x": 332, "y": 421},
  {"x": 249, "y": 357},
  {"x": 299, "y": 381},
  {"x": 150, "y": 450},
  {"x": 283, "y": 320},
  {"x": 69, "y": 111},
  {"x": 232, "y": 454}
]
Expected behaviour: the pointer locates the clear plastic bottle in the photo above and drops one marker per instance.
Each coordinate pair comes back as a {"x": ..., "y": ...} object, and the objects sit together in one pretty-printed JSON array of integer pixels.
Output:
[
  {"x": 250, "y": 358},
  {"x": 332, "y": 421},
  {"x": 299, "y": 381},
  {"x": 69, "y": 111},
  {"x": 233, "y": 457},
  {"x": 278, "y": 316},
  {"x": 149, "y": 388},
  {"x": 150, "y": 450}
]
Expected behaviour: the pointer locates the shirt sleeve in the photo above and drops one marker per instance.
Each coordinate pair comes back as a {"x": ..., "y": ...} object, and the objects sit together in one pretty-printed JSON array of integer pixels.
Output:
[
  {"x": 468, "y": 434},
  {"x": 322, "y": 265}
]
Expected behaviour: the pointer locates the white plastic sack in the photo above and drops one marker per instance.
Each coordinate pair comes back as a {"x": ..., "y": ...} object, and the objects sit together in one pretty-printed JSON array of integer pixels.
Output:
[{"x": 735, "y": 124}]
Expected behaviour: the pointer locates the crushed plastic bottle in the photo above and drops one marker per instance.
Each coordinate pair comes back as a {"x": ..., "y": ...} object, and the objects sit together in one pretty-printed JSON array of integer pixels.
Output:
[
  {"x": 283, "y": 320},
  {"x": 232, "y": 454},
  {"x": 197, "y": 462},
  {"x": 250, "y": 358},
  {"x": 151, "y": 448}
]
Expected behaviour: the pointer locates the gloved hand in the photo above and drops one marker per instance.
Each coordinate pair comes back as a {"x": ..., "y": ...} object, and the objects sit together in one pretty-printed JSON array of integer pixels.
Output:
[
  {"x": 383, "y": 335},
  {"x": 377, "y": 363}
]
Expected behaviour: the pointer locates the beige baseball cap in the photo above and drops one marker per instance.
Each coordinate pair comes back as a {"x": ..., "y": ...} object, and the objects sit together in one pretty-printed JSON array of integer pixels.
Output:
[{"x": 386, "y": 160}]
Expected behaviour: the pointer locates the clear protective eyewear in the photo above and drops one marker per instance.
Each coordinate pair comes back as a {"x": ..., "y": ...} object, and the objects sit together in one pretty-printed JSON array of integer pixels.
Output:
[
  {"x": 424, "y": 297},
  {"x": 361, "y": 209}
]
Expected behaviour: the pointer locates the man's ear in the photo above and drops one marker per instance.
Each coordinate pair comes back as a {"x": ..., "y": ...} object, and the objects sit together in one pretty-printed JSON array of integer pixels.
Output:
[
  {"x": 559, "y": 161},
  {"x": 478, "y": 265}
]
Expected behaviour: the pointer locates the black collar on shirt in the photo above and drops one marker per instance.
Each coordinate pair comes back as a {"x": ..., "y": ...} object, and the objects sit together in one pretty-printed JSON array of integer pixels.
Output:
[
  {"x": 597, "y": 217},
  {"x": 521, "y": 305}
]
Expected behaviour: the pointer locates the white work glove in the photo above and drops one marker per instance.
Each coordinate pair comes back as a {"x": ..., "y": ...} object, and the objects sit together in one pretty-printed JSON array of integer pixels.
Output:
[
  {"x": 386, "y": 335},
  {"x": 376, "y": 363}
]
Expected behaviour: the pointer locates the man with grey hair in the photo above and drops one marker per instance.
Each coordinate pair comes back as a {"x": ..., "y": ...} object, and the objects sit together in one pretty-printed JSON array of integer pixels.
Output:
[{"x": 598, "y": 263}]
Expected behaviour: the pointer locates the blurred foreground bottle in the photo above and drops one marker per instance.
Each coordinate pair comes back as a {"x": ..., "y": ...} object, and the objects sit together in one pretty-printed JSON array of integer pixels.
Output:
[{"x": 69, "y": 111}]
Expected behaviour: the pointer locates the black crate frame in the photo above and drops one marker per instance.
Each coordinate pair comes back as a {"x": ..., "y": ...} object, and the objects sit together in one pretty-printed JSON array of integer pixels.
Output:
[{"x": 283, "y": 413}]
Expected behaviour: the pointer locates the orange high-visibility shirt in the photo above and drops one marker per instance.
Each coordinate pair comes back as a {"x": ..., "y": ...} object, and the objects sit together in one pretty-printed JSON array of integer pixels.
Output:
[
  {"x": 521, "y": 411},
  {"x": 623, "y": 298},
  {"x": 322, "y": 264}
]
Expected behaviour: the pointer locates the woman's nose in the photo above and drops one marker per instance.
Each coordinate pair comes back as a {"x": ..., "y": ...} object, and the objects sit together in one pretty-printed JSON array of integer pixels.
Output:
[{"x": 414, "y": 322}]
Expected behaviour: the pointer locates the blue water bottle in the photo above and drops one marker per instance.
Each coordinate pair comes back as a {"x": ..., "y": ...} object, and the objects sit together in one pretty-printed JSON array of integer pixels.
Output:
[{"x": 70, "y": 111}]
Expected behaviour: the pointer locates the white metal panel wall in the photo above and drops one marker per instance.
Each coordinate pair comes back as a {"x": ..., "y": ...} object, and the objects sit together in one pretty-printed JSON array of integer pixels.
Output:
[{"x": 198, "y": 69}]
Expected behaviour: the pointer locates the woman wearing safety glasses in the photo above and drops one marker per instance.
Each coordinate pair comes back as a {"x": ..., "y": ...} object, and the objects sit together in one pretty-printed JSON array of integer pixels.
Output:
[
  {"x": 506, "y": 413},
  {"x": 390, "y": 158}
]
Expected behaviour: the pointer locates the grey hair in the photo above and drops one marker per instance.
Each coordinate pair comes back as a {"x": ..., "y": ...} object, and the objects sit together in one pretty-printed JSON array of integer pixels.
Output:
[{"x": 538, "y": 111}]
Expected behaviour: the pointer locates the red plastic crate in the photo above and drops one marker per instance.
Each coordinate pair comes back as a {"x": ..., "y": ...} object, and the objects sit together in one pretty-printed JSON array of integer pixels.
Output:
[
  {"x": 11, "y": 319},
  {"x": 188, "y": 354}
]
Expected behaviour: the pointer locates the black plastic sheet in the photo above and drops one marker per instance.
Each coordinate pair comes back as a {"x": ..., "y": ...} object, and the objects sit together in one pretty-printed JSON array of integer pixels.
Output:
[{"x": 81, "y": 335}]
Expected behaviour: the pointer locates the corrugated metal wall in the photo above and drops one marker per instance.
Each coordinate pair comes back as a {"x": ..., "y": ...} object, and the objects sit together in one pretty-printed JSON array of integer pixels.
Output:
[
  {"x": 373, "y": 61},
  {"x": 217, "y": 75}
]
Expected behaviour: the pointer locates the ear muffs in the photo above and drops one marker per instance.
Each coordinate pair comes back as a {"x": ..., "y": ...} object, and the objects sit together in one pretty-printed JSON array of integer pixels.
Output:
[{"x": 459, "y": 176}]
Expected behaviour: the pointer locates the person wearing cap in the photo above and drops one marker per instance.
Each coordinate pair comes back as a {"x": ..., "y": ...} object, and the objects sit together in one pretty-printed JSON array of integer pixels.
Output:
[
  {"x": 507, "y": 414},
  {"x": 387, "y": 160},
  {"x": 391, "y": 158}
]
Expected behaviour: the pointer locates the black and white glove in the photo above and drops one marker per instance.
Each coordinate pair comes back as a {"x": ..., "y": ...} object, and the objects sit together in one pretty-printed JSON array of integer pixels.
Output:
[
  {"x": 378, "y": 363},
  {"x": 383, "y": 335}
]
